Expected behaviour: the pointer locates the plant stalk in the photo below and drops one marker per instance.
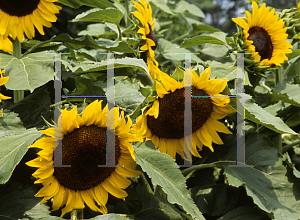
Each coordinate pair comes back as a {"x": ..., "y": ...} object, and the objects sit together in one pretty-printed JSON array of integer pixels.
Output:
[
  {"x": 77, "y": 214},
  {"x": 18, "y": 94}
]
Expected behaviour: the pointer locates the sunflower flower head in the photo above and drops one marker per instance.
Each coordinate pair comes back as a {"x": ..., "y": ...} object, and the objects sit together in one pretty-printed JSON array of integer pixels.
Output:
[
  {"x": 19, "y": 17},
  {"x": 265, "y": 36},
  {"x": 163, "y": 122},
  {"x": 298, "y": 6},
  {"x": 84, "y": 148},
  {"x": 144, "y": 15},
  {"x": 3, "y": 80}
]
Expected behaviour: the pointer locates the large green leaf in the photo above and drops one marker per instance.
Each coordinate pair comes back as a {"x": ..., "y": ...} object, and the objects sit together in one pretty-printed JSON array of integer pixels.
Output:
[
  {"x": 127, "y": 96},
  {"x": 154, "y": 206},
  {"x": 110, "y": 217},
  {"x": 266, "y": 179},
  {"x": 258, "y": 115},
  {"x": 112, "y": 15},
  {"x": 12, "y": 150},
  {"x": 29, "y": 72},
  {"x": 222, "y": 70},
  {"x": 201, "y": 28},
  {"x": 162, "y": 6},
  {"x": 171, "y": 51},
  {"x": 163, "y": 171},
  {"x": 83, "y": 67},
  {"x": 17, "y": 201},
  {"x": 245, "y": 213},
  {"x": 88, "y": 41},
  {"x": 287, "y": 93},
  {"x": 10, "y": 124},
  {"x": 91, "y": 3},
  {"x": 183, "y": 6},
  {"x": 214, "y": 38}
]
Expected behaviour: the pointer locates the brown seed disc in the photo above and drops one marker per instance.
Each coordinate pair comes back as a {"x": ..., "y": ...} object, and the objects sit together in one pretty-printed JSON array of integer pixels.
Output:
[
  {"x": 262, "y": 42},
  {"x": 152, "y": 36},
  {"x": 170, "y": 121},
  {"x": 18, "y": 7},
  {"x": 84, "y": 149}
]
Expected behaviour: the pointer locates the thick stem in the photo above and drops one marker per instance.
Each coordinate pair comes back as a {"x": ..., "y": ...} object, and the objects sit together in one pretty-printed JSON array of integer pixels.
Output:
[
  {"x": 287, "y": 147},
  {"x": 18, "y": 94},
  {"x": 127, "y": 12},
  {"x": 77, "y": 214},
  {"x": 278, "y": 138}
]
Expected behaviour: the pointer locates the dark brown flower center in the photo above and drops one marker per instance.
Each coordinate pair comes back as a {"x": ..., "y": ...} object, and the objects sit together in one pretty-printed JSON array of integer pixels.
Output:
[
  {"x": 84, "y": 149},
  {"x": 18, "y": 7},
  {"x": 262, "y": 42},
  {"x": 152, "y": 36},
  {"x": 170, "y": 121}
]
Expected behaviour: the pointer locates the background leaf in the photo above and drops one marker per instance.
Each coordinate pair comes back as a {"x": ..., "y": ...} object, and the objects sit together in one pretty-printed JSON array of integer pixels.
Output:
[
  {"x": 266, "y": 179},
  {"x": 12, "y": 150},
  {"x": 163, "y": 171},
  {"x": 91, "y": 3},
  {"x": 112, "y": 15},
  {"x": 29, "y": 72}
]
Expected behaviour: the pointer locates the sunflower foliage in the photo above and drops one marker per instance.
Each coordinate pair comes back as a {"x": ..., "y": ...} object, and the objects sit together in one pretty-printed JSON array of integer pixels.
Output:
[{"x": 165, "y": 168}]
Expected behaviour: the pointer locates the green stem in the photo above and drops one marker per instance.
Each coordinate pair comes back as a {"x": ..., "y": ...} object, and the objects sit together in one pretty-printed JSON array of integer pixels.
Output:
[
  {"x": 35, "y": 47},
  {"x": 120, "y": 32},
  {"x": 287, "y": 147},
  {"x": 18, "y": 94},
  {"x": 278, "y": 143},
  {"x": 74, "y": 215},
  {"x": 147, "y": 183},
  {"x": 62, "y": 102},
  {"x": 188, "y": 170},
  {"x": 77, "y": 214},
  {"x": 127, "y": 13}
]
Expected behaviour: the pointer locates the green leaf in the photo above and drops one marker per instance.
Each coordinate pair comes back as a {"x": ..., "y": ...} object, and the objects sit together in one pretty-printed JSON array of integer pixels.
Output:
[
  {"x": 82, "y": 67},
  {"x": 91, "y": 3},
  {"x": 17, "y": 201},
  {"x": 162, "y": 6},
  {"x": 214, "y": 38},
  {"x": 171, "y": 51},
  {"x": 184, "y": 6},
  {"x": 112, "y": 15},
  {"x": 27, "y": 44},
  {"x": 217, "y": 200},
  {"x": 178, "y": 73},
  {"x": 163, "y": 171},
  {"x": 294, "y": 54},
  {"x": 287, "y": 93},
  {"x": 127, "y": 96},
  {"x": 110, "y": 217},
  {"x": 12, "y": 150},
  {"x": 265, "y": 179},
  {"x": 202, "y": 28},
  {"x": 88, "y": 41},
  {"x": 222, "y": 70},
  {"x": 245, "y": 213},
  {"x": 10, "y": 124},
  {"x": 29, "y": 72},
  {"x": 288, "y": 160},
  {"x": 154, "y": 206},
  {"x": 255, "y": 113}
]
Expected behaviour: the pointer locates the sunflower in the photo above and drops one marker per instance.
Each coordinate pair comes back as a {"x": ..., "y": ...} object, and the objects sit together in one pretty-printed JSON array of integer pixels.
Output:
[
  {"x": 298, "y": 6},
  {"x": 265, "y": 36},
  {"x": 19, "y": 17},
  {"x": 3, "y": 80},
  {"x": 6, "y": 44},
  {"x": 144, "y": 15},
  {"x": 163, "y": 123},
  {"x": 84, "y": 148}
]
